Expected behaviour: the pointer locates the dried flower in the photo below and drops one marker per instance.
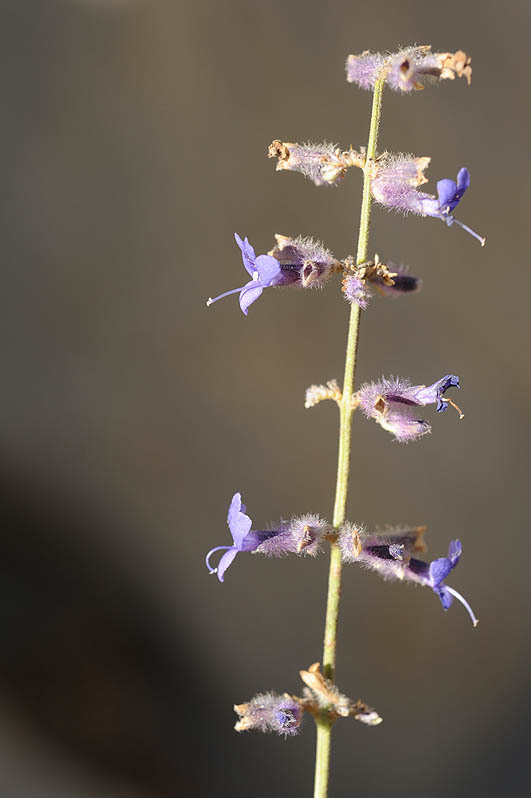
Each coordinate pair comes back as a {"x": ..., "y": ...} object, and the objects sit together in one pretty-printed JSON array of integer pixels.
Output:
[
  {"x": 358, "y": 279},
  {"x": 391, "y": 404},
  {"x": 269, "y": 712},
  {"x": 390, "y": 553},
  {"x": 395, "y": 182},
  {"x": 402, "y": 281},
  {"x": 323, "y": 164},
  {"x": 322, "y": 694},
  {"x": 408, "y": 69}
]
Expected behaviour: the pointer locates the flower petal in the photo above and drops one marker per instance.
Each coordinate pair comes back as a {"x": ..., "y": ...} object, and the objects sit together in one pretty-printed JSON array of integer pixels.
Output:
[
  {"x": 268, "y": 269},
  {"x": 454, "y": 552},
  {"x": 225, "y": 561},
  {"x": 463, "y": 181},
  {"x": 447, "y": 190},
  {"x": 239, "y": 523},
  {"x": 439, "y": 570},
  {"x": 248, "y": 253},
  {"x": 249, "y": 294}
]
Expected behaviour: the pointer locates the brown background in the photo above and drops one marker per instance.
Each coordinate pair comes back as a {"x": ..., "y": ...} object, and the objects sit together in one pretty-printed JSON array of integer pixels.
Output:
[{"x": 133, "y": 140}]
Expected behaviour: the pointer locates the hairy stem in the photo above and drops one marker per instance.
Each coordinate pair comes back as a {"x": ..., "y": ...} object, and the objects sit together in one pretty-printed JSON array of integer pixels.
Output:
[{"x": 324, "y": 725}]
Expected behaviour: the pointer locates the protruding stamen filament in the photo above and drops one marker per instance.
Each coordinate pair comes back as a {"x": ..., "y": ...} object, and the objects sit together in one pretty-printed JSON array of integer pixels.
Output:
[
  {"x": 210, "y": 553},
  {"x": 451, "y": 402},
  {"x": 481, "y": 239},
  {"x": 464, "y": 602},
  {"x": 211, "y": 301}
]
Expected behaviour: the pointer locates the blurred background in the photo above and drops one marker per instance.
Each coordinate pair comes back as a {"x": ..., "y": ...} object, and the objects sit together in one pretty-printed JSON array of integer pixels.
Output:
[{"x": 134, "y": 137}]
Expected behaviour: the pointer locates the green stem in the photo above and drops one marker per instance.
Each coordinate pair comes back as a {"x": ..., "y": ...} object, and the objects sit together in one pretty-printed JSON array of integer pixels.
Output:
[{"x": 324, "y": 724}]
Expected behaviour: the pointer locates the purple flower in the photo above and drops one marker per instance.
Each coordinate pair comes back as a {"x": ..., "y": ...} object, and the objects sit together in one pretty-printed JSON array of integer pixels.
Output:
[
  {"x": 391, "y": 404},
  {"x": 395, "y": 185},
  {"x": 449, "y": 195},
  {"x": 390, "y": 553},
  {"x": 264, "y": 270},
  {"x": 244, "y": 539},
  {"x": 302, "y": 535},
  {"x": 268, "y": 712}
]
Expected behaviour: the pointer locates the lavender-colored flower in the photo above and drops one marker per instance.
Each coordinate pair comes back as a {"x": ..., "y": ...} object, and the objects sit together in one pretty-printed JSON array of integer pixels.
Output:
[
  {"x": 244, "y": 539},
  {"x": 323, "y": 163},
  {"x": 395, "y": 183},
  {"x": 408, "y": 69},
  {"x": 391, "y": 404},
  {"x": 390, "y": 555},
  {"x": 301, "y": 535},
  {"x": 268, "y": 712},
  {"x": 264, "y": 270},
  {"x": 308, "y": 261}
]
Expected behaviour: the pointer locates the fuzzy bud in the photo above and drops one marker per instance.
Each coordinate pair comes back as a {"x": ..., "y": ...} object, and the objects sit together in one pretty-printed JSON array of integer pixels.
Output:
[
  {"x": 350, "y": 541},
  {"x": 323, "y": 164},
  {"x": 309, "y": 260},
  {"x": 302, "y": 535},
  {"x": 269, "y": 712}
]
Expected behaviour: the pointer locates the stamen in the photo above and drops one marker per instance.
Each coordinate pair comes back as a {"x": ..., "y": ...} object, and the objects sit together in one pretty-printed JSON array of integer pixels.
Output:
[
  {"x": 210, "y": 301},
  {"x": 468, "y": 230},
  {"x": 450, "y": 402},
  {"x": 465, "y": 603},
  {"x": 207, "y": 558}
]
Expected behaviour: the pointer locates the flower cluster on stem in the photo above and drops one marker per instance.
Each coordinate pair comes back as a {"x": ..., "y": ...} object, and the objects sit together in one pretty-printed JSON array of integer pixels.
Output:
[{"x": 394, "y": 181}]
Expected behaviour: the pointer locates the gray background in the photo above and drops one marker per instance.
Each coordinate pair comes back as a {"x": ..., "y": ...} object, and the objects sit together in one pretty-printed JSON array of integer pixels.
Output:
[{"x": 133, "y": 139}]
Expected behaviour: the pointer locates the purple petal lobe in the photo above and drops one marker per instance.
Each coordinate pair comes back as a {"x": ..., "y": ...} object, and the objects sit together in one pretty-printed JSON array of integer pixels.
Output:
[
  {"x": 239, "y": 523},
  {"x": 439, "y": 570},
  {"x": 463, "y": 181},
  {"x": 446, "y": 190},
  {"x": 454, "y": 552},
  {"x": 445, "y": 596},
  {"x": 248, "y": 253},
  {"x": 249, "y": 294},
  {"x": 268, "y": 270},
  {"x": 225, "y": 561}
]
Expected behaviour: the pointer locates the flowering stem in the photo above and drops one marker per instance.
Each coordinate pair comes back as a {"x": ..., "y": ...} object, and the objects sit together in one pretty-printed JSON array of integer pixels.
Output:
[{"x": 324, "y": 725}]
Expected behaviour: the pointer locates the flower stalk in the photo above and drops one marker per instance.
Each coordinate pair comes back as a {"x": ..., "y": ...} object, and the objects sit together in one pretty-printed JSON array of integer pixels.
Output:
[{"x": 324, "y": 723}]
